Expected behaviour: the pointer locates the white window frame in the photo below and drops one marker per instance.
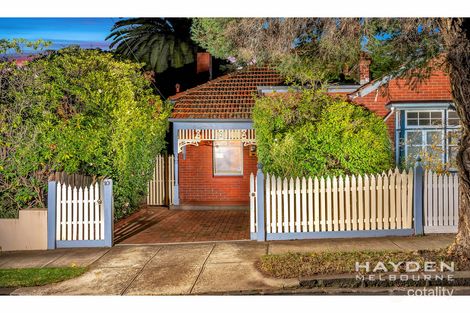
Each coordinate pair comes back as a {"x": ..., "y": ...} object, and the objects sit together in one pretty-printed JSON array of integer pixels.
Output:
[
  {"x": 443, "y": 117},
  {"x": 445, "y": 128},
  {"x": 214, "y": 170}
]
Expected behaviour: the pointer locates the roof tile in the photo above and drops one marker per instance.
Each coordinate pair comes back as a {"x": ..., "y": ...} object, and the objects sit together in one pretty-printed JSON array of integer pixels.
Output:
[{"x": 228, "y": 97}]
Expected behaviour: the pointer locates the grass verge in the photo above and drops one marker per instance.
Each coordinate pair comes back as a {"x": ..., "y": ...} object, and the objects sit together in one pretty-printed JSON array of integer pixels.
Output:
[
  {"x": 294, "y": 265},
  {"x": 28, "y": 277}
]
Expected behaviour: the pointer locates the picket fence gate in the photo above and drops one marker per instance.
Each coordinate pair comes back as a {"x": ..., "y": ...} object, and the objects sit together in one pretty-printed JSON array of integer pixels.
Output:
[
  {"x": 392, "y": 203},
  {"x": 80, "y": 216},
  {"x": 441, "y": 202},
  {"x": 161, "y": 186}
]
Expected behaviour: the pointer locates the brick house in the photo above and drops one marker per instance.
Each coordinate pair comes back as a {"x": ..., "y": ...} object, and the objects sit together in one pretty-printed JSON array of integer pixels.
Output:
[{"x": 215, "y": 145}]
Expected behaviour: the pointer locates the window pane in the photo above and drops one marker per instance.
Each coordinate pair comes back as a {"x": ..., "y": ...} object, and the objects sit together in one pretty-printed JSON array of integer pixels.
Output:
[
  {"x": 424, "y": 115},
  {"x": 453, "y": 137},
  {"x": 414, "y": 138},
  {"x": 434, "y": 138},
  {"x": 452, "y": 118},
  {"x": 424, "y": 122},
  {"x": 412, "y": 122},
  {"x": 412, "y": 154},
  {"x": 412, "y": 115},
  {"x": 228, "y": 158}
]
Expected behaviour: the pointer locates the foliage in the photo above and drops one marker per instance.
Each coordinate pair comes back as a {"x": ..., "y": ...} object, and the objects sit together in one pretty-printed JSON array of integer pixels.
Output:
[
  {"x": 16, "y": 45},
  {"x": 29, "y": 277},
  {"x": 311, "y": 133},
  {"x": 209, "y": 34},
  {"x": 160, "y": 43},
  {"x": 78, "y": 111},
  {"x": 322, "y": 48}
]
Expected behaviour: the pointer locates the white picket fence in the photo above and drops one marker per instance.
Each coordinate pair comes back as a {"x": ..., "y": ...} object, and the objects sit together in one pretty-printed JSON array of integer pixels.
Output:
[
  {"x": 79, "y": 212},
  {"x": 161, "y": 186},
  {"x": 349, "y": 203},
  {"x": 441, "y": 202}
]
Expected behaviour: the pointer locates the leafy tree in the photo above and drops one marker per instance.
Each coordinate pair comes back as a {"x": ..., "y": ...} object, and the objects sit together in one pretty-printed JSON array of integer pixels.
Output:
[
  {"x": 78, "y": 111},
  {"x": 311, "y": 133},
  {"x": 160, "y": 43}
]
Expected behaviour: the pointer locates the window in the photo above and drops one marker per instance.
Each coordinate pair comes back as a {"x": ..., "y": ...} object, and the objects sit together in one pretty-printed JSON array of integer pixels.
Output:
[
  {"x": 228, "y": 158},
  {"x": 432, "y": 135},
  {"x": 424, "y": 118}
]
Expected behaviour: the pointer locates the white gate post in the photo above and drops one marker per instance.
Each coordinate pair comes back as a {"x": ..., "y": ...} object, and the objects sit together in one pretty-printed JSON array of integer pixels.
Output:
[
  {"x": 108, "y": 209},
  {"x": 261, "y": 233}
]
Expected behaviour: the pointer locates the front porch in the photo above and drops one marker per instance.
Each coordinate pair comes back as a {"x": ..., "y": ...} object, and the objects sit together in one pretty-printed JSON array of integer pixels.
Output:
[{"x": 212, "y": 164}]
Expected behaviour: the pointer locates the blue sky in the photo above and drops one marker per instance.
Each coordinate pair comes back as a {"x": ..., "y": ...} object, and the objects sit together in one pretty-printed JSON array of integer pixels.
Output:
[{"x": 86, "y": 32}]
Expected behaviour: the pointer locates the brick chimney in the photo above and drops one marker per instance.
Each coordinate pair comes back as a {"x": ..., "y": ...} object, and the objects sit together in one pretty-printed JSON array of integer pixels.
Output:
[
  {"x": 364, "y": 68},
  {"x": 204, "y": 63}
]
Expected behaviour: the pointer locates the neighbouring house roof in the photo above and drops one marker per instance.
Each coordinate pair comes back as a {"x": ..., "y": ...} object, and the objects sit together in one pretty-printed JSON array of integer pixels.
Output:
[{"x": 228, "y": 97}]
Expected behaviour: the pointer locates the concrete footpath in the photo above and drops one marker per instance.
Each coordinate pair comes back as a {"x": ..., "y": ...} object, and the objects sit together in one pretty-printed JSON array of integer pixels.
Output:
[{"x": 196, "y": 268}]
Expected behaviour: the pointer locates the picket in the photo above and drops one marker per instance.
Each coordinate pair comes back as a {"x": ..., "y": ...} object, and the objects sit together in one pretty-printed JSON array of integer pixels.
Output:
[
  {"x": 268, "y": 204},
  {"x": 335, "y": 204},
  {"x": 291, "y": 206},
  {"x": 310, "y": 205},
  {"x": 279, "y": 204},
  {"x": 316, "y": 198},
  {"x": 297, "y": 205},
  {"x": 304, "y": 204}
]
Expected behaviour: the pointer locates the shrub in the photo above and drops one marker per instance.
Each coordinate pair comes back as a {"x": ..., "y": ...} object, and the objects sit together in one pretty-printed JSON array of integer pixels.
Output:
[
  {"x": 78, "y": 111},
  {"x": 311, "y": 133}
]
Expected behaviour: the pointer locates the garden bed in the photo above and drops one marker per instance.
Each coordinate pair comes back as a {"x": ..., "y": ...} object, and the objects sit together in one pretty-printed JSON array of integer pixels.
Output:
[{"x": 295, "y": 265}]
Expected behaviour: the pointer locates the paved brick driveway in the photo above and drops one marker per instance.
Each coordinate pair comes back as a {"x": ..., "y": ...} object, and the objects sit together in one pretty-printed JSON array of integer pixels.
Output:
[{"x": 161, "y": 225}]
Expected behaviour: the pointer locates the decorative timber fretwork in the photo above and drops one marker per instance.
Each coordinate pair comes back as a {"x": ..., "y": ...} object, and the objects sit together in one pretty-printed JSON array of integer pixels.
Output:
[{"x": 195, "y": 136}]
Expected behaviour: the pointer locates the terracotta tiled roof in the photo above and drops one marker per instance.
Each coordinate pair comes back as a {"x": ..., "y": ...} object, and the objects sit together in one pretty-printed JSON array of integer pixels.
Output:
[{"x": 227, "y": 97}]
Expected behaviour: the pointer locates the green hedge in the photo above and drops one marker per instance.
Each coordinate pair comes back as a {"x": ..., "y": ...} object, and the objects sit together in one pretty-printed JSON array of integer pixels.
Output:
[
  {"x": 311, "y": 133},
  {"x": 77, "y": 111}
]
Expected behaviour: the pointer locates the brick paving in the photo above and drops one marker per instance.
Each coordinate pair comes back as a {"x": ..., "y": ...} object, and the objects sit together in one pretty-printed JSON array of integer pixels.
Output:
[{"x": 161, "y": 225}]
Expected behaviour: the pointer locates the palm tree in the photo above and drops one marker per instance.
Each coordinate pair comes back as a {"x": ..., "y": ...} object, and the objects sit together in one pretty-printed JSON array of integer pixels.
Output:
[{"x": 160, "y": 43}]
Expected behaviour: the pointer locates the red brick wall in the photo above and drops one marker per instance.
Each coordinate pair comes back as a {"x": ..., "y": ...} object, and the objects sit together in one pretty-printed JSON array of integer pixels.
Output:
[
  {"x": 198, "y": 185},
  {"x": 436, "y": 88}
]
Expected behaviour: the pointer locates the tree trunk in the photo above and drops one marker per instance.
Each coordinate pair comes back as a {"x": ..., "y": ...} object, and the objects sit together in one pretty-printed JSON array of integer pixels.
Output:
[{"x": 457, "y": 46}]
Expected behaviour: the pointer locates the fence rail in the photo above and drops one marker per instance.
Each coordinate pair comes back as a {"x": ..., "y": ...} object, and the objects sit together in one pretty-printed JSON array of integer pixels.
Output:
[
  {"x": 441, "y": 202},
  {"x": 161, "y": 186}
]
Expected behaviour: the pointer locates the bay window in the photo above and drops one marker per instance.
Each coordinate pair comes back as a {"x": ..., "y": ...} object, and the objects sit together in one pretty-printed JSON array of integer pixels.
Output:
[{"x": 431, "y": 133}]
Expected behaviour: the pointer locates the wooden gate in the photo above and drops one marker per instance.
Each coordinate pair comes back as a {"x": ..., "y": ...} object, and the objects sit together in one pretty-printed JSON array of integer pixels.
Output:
[
  {"x": 441, "y": 202},
  {"x": 161, "y": 186},
  {"x": 80, "y": 213}
]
